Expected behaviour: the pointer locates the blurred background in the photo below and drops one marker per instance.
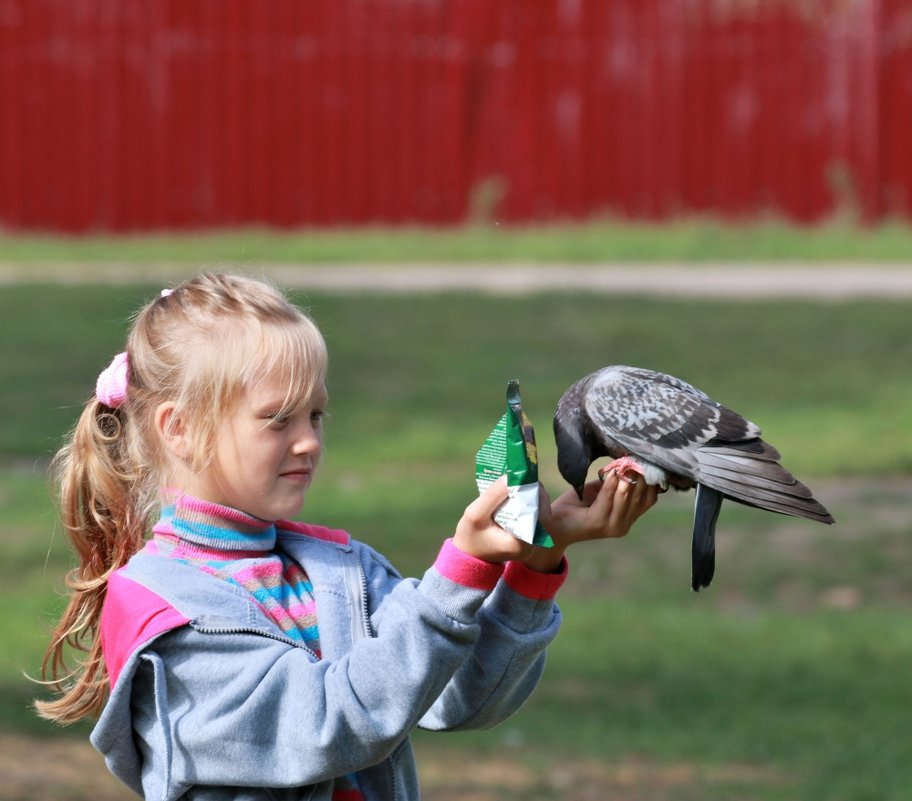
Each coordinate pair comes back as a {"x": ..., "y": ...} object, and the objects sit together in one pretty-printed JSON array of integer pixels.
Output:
[{"x": 583, "y": 178}]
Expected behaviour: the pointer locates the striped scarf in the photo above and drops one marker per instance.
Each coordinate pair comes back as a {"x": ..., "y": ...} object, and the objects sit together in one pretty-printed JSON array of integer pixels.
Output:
[{"x": 239, "y": 549}]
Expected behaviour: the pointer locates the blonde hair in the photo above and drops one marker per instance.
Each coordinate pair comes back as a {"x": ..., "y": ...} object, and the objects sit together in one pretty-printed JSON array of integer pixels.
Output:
[{"x": 197, "y": 346}]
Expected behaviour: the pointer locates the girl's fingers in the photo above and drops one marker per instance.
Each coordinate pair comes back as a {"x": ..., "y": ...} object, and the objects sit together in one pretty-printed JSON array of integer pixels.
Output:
[
  {"x": 628, "y": 502},
  {"x": 620, "y": 518},
  {"x": 608, "y": 510},
  {"x": 640, "y": 497},
  {"x": 478, "y": 534},
  {"x": 604, "y": 502},
  {"x": 489, "y": 501}
]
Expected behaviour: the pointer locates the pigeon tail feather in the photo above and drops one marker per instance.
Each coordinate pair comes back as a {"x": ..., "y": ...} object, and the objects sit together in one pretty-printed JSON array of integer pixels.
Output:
[{"x": 703, "y": 549}]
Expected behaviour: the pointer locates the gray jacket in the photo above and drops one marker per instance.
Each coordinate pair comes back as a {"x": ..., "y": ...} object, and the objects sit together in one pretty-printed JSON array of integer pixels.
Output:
[{"x": 211, "y": 701}]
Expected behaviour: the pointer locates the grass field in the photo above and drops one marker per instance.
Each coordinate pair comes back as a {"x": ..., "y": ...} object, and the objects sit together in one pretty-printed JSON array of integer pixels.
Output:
[
  {"x": 685, "y": 240},
  {"x": 788, "y": 679}
]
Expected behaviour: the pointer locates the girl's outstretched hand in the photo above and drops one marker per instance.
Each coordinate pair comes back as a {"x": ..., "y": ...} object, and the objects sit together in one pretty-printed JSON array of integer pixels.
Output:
[
  {"x": 478, "y": 535},
  {"x": 608, "y": 510}
]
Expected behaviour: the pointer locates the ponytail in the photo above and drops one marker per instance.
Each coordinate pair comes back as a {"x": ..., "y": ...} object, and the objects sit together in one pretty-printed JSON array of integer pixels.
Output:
[{"x": 98, "y": 494}]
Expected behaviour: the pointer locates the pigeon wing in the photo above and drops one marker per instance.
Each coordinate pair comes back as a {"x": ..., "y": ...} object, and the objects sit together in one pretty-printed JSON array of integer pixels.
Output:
[{"x": 659, "y": 417}]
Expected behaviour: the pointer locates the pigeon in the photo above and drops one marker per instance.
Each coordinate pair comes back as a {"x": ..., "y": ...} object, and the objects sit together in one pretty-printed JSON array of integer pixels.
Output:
[{"x": 671, "y": 433}]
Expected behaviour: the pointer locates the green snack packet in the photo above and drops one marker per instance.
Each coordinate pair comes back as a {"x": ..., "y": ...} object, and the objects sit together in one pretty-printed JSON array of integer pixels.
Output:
[{"x": 510, "y": 448}]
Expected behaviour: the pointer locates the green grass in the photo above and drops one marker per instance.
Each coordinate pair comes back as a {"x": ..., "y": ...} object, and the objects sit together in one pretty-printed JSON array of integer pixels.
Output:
[
  {"x": 420, "y": 377},
  {"x": 792, "y": 668},
  {"x": 773, "y": 689},
  {"x": 600, "y": 240}
]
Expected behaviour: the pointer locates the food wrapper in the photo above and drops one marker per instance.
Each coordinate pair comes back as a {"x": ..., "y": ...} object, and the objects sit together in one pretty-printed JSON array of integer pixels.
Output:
[{"x": 510, "y": 449}]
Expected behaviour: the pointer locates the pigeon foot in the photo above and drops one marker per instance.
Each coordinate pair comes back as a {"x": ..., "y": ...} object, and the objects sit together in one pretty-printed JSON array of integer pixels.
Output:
[{"x": 627, "y": 469}]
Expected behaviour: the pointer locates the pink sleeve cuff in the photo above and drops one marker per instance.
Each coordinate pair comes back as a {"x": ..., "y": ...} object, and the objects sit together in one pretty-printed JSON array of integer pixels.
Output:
[
  {"x": 467, "y": 570},
  {"x": 535, "y": 585}
]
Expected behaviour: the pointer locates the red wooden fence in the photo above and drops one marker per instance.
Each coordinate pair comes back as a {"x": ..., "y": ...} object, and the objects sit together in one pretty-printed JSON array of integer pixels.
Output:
[{"x": 147, "y": 114}]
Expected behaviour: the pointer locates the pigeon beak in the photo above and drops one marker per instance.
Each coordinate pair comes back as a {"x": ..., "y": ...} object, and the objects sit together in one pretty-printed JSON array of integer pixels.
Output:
[{"x": 579, "y": 491}]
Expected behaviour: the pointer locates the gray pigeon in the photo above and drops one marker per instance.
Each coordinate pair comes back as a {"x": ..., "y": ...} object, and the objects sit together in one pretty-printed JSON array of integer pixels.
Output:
[{"x": 676, "y": 435}]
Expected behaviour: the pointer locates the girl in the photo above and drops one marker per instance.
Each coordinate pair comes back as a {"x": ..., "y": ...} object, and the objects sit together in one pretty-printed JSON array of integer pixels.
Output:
[{"x": 232, "y": 654}]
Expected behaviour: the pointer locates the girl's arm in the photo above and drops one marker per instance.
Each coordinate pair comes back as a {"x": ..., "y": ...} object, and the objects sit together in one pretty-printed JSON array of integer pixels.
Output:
[
  {"x": 517, "y": 623},
  {"x": 519, "y": 619}
]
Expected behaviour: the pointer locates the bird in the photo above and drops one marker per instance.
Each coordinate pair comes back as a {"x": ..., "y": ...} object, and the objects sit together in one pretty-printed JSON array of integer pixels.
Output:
[{"x": 669, "y": 433}]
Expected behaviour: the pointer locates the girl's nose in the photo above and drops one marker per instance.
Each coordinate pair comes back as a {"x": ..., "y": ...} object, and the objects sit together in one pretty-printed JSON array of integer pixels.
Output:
[{"x": 308, "y": 440}]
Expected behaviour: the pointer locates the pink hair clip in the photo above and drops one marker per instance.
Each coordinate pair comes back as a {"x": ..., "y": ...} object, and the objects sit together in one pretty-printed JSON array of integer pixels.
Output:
[{"x": 111, "y": 388}]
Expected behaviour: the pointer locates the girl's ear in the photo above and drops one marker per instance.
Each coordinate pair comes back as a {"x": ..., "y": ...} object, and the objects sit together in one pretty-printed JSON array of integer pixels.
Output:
[{"x": 170, "y": 427}]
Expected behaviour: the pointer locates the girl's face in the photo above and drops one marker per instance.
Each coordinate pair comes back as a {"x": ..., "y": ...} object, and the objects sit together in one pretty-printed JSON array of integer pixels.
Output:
[{"x": 264, "y": 463}]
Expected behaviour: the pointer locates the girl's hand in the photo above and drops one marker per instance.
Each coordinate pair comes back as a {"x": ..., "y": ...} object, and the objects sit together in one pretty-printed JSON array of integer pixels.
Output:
[
  {"x": 478, "y": 535},
  {"x": 608, "y": 510}
]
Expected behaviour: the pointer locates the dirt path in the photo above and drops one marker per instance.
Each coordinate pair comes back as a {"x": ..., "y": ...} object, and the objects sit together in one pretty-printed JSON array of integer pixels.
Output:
[
  {"x": 672, "y": 280},
  {"x": 75, "y": 772},
  {"x": 779, "y": 280}
]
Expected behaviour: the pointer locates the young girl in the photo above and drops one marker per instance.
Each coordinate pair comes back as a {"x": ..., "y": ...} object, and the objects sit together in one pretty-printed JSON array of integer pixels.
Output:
[{"x": 232, "y": 654}]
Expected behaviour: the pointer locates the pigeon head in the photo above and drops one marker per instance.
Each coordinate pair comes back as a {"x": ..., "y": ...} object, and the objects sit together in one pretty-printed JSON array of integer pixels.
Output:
[{"x": 574, "y": 447}]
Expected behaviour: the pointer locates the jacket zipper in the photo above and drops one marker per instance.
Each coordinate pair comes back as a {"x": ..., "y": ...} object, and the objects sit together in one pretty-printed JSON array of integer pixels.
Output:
[
  {"x": 365, "y": 617},
  {"x": 365, "y": 622},
  {"x": 251, "y": 630}
]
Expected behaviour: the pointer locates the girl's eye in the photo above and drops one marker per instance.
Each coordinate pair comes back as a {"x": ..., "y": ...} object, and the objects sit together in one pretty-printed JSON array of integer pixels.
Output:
[
  {"x": 278, "y": 420},
  {"x": 316, "y": 417}
]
